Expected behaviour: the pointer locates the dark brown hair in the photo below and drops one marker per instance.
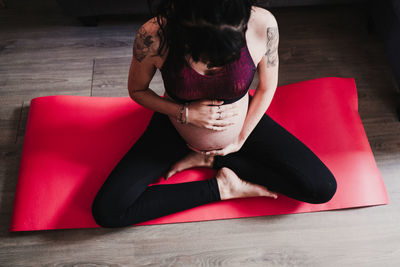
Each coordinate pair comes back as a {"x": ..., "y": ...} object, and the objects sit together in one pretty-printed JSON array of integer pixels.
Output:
[{"x": 208, "y": 30}]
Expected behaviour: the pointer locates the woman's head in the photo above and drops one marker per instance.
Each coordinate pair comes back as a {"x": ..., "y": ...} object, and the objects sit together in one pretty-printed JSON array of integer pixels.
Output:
[{"x": 210, "y": 31}]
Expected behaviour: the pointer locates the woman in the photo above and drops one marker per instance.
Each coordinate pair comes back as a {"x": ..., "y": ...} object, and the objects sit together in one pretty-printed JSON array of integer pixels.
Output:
[{"x": 208, "y": 52}]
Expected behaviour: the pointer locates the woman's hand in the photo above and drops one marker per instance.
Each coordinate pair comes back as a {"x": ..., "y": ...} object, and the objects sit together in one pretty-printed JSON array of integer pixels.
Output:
[
  {"x": 231, "y": 148},
  {"x": 211, "y": 114}
]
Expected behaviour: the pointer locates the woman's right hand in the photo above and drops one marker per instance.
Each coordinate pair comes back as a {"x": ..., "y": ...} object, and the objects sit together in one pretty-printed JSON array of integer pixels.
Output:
[{"x": 211, "y": 114}]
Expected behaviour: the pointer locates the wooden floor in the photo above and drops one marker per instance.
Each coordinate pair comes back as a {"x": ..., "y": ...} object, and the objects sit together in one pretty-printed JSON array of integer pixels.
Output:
[{"x": 44, "y": 52}]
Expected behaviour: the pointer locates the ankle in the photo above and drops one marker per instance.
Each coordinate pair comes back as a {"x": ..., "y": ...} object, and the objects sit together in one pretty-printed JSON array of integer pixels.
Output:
[
  {"x": 209, "y": 160},
  {"x": 223, "y": 188}
]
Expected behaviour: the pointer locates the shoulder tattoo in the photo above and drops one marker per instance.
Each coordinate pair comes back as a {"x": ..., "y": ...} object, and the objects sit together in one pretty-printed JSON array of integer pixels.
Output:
[
  {"x": 272, "y": 46},
  {"x": 142, "y": 43}
]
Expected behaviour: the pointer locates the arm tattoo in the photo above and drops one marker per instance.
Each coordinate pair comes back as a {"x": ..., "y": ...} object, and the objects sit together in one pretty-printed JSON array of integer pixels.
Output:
[
  {"x": 272, "y": 46},
  {"x": 142, "y": 44},
  {"x": 154, "y": 21}
]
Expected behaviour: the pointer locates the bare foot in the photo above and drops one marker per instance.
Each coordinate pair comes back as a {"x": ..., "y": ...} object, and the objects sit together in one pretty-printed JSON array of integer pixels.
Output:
[
  {"x": 192, "y": 159},
  {"x": 231, "y": 186}
]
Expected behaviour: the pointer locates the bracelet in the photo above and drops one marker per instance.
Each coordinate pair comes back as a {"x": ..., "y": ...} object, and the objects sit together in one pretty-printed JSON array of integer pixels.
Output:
[
  {"x": 180, "y": 114},
  {"x": 179, "y": 117},
  {"x": 186, "y": 112}
]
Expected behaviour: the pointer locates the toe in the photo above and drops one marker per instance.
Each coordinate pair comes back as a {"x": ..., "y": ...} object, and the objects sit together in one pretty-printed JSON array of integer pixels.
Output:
[
  {"x": 272, "y": 194},
  {"x": 170, "y": 173}
]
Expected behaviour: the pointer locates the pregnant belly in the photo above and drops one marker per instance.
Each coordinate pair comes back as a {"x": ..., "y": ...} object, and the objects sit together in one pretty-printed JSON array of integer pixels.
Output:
[{"x": 206, "y": 139}]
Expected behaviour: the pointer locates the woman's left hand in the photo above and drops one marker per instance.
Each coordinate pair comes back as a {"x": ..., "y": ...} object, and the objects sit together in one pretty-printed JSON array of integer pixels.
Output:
[{"x": 231, "y": 148}]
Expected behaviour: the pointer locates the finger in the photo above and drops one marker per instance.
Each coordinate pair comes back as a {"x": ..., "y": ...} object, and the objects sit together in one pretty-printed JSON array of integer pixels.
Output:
[
  {"x": 222, "y": 123},
  {"x": 216, "y": 128},
  {"x": 214, "y": 115},
  {"x": 211, "y": 153},
  {"x": 272, "y": 194},
  {"x": 226, "y": 115},
  {"x": 222, "y": 115},
  {"x": 172, "y": 171},
  {"x": 219, "y": 152},
  {"x": 218, "y": 108},
  {"x": 215, "y": 112},
  {"x": 168, "y": 175},
  {"x": 224, "y": 108}
]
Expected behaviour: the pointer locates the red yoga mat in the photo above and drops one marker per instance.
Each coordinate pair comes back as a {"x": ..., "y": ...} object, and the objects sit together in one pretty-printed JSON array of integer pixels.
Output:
[{"x": 72, "y": 143}]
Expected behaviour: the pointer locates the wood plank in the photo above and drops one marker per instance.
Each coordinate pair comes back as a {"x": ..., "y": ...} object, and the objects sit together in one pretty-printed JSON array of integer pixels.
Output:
[
  {"x": 43, "y": 52},
  {"x": 46, "y": 77},
  {"x": 10, "y": 115},
  {"x": 111, "y": 78}
]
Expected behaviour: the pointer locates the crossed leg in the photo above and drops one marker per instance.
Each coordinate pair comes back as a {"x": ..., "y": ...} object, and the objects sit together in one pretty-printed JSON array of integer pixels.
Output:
[
  {"x": 271, "y": 157},
  {"x": 125, "y": 197}
]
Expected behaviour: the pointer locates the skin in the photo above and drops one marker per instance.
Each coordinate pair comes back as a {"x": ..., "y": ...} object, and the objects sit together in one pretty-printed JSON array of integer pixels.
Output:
[
  {"x": 210, "y": 139},
  {"x": 205, "y": 122}
]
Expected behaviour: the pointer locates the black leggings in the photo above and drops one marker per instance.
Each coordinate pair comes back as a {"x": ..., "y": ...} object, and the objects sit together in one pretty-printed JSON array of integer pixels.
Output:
[{"x": 271, "y": 156}]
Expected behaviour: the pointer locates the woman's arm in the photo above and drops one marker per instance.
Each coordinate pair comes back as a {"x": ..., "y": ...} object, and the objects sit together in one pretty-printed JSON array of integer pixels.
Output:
[
  {"x": 142, "y": 70},
  {"x": 268, "y": 79}
]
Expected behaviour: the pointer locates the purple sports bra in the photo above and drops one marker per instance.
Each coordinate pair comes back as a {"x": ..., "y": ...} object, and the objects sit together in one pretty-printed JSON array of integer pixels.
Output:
[{"x": 229, "y": 83}]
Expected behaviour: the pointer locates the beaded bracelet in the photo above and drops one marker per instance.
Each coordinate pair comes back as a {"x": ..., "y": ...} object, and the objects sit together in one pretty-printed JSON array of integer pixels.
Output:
[{"x": 179, "y": 117}]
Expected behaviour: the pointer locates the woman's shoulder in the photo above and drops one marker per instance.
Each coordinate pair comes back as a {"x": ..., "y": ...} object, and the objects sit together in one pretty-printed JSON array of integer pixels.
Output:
[
  {"x": 147, "y": 42},
  {"x": 261, "y": 18}
]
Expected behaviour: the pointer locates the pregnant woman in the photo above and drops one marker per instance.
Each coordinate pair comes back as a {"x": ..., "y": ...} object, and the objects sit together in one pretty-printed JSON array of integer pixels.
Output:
[{"x": 208, "y": 52}]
